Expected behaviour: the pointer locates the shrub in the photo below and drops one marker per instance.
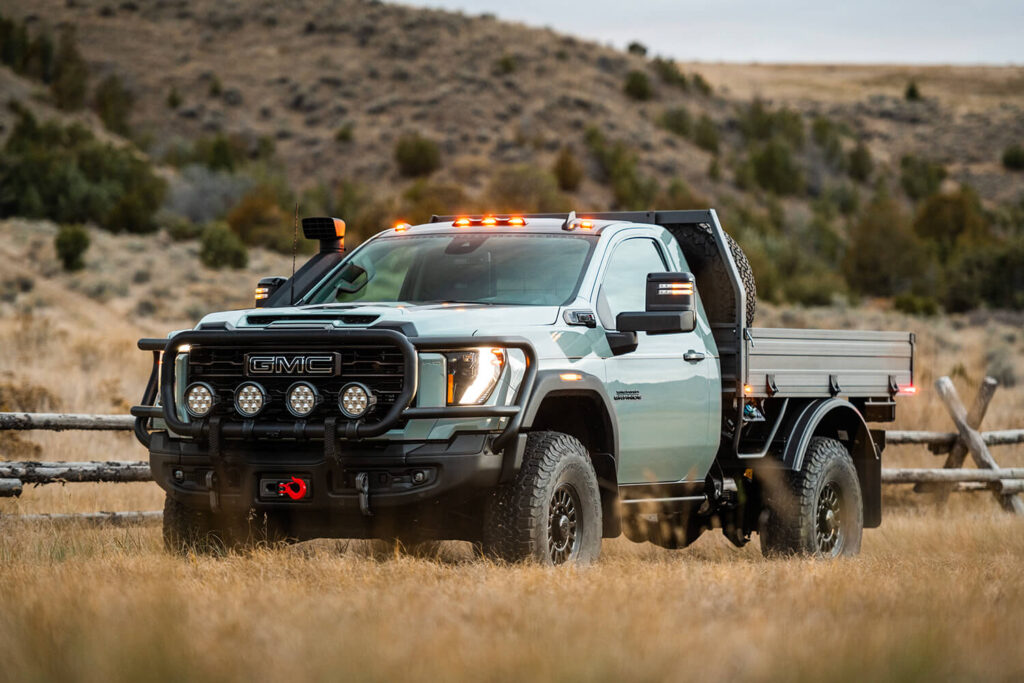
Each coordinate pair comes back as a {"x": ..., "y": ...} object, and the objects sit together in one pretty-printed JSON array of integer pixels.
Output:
[
  {"x": 669, "y": 73},
  {"x": 219, "y": 247},
  {"x": 991, "y": 274},
  {"x": 1013, "y": 158},
  {"x": 859, "y": 163},
  {"x": 215, "y": 89},
  {"x": 258, "y": 220},
  {"x": 71, "y": 243},
  {"x": 775, "y": 169},
  {"x": 630, "y": 189},
  {"x": 912, "y": 94},
  {"x": 714, "y": 169},
  {"x": 826, "y": 135},
  {"x": 920, "y": 177},
  {"x": 705, "y": 134},
  {"x": 524, "y": 189},
  {"x": 423, "y": 200},
  {"x": 678, "y": 121},
  {"x": 113, "y": 103},
  {"x": 637, "y": 48},
  {"x": 70, "y": 74},
  {"x": 700, "y": 84},
  {"x": 638, "y": 86},
  {"x": 181, "y": 229},
  {"x": 417, "y": 156},
  {"x": 679, "y": 195},
  {"x": 505, "y": 65},
  {"x": 912, "y": 304},
  {"x": 568, "y": 171},
  {"x": 951, "y": 221},
  {"x": 759, "y": 122},
  {"x": 344, "y": 134},
  {"x": 39, "y": 62},
  {"x": 884, "y": 257},
  {"x": 64, "y": 174},
  {"x": 174, "y": 99}
]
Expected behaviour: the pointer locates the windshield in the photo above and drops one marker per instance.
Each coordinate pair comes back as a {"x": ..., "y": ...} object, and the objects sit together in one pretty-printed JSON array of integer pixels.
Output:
[{"x": 531, "y": 270}]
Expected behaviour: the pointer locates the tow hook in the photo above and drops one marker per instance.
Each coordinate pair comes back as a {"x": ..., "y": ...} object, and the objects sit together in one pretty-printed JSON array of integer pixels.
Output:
[{"x": 363, "y": 487}]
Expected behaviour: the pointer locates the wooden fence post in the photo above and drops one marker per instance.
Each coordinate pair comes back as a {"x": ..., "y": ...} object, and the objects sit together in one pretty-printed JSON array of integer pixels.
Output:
[
  {"x": 973, "y": 441},
  {"x": 956, "y": 456}
]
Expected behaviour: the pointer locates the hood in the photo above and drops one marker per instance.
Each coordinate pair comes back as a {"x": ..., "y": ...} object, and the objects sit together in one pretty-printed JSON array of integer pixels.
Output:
[{"x": 429, "y": 319}]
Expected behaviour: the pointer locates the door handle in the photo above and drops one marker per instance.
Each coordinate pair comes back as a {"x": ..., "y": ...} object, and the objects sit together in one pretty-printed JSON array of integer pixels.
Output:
[{"x": 693, "y": 356}]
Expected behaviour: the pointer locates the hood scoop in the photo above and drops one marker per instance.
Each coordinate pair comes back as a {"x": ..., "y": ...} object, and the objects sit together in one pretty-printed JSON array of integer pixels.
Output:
[{"x": 319, "y": 319}]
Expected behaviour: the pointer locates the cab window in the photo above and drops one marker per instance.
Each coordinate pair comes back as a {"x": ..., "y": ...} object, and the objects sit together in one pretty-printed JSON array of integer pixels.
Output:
[{"x": 624, "y": 287}]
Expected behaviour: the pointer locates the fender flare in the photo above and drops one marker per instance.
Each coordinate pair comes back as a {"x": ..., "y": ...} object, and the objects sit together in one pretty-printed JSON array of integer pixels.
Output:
[
  {"x": 829, "y": 417},
  {"x": 550, "y": 384}
]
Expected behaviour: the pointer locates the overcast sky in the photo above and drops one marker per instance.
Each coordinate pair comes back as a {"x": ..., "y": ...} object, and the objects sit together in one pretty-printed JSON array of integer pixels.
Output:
[{"x": 907, "y": 31}]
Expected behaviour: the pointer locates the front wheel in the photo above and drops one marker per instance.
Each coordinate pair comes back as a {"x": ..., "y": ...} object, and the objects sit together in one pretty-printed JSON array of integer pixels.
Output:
[
  {"x": 821, "y": 511},
  {"x": 551, "y": 513}
]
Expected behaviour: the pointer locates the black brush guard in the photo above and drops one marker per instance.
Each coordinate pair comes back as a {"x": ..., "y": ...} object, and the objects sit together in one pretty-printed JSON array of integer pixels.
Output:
[{"x": 165, "y": 351}]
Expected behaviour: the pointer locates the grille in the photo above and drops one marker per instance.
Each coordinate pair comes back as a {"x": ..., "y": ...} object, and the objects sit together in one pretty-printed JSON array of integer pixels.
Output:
[{"x": 381, "y": 368}]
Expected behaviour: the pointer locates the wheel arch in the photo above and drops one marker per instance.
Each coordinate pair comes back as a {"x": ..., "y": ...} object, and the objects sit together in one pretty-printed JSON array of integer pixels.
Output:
[
  {"x": 840, "y": 420},
  {"x": 582, "y": 409}
]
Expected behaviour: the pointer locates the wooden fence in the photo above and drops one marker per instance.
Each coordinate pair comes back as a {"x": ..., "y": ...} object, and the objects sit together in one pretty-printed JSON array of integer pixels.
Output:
[{"x": 1005, "y": 483}]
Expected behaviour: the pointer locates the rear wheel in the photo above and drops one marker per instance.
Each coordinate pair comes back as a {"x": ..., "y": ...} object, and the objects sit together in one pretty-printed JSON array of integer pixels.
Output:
[
  {"x": 820, "y": 511},
  {"x": 551, "y": 513}
]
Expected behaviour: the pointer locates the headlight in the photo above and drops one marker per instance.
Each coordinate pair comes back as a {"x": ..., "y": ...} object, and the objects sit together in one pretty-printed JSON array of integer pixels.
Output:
[
  {"x": 302, "y": 398},
  {"x": 355, "y": 400},
  {"x": 250, "y": 399},
  {"x": 473, "y": 374},
  {"x": 199, "y": 399}
]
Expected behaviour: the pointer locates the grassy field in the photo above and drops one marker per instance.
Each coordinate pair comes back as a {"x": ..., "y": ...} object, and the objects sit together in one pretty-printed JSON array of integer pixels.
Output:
[{"x": 936, "y": 593}]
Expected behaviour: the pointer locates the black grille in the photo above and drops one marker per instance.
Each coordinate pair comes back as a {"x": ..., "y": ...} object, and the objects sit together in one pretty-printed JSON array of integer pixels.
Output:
[{"x": 381, "y": 368}]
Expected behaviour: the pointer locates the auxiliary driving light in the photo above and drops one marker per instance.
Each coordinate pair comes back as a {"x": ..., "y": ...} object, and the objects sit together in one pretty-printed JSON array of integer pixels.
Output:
[
  {"x": 199, "y": 399},
  {"x": 355, "y": 400},
  {"x": 302, "y": 399},
  {"x": 250, "y": 399}
]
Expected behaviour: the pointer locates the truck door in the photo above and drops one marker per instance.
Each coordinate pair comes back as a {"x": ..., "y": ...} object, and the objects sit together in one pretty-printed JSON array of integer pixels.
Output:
[{"x": 660, "y": 398}]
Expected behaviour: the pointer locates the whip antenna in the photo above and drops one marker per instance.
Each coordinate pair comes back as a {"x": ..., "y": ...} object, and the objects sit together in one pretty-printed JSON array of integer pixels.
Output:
[{"x": 295, "y": 247}]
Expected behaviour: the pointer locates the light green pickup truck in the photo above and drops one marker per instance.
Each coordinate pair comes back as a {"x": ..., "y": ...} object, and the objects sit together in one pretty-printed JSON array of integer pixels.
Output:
[{"x": 530, "y": 383}]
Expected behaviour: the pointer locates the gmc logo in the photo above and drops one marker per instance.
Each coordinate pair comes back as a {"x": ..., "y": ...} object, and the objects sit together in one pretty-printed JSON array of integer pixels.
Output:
[{"x": 325, "y": 364}]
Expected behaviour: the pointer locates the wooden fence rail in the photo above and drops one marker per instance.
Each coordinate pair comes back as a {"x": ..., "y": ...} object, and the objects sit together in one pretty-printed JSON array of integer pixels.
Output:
[{"x": 1005, "y": 483}]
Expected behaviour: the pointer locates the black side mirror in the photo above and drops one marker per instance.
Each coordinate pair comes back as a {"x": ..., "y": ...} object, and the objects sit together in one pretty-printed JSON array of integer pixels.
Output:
[
  {"x": 265, "y": 289},
  {"x": 670, "y": 306}
]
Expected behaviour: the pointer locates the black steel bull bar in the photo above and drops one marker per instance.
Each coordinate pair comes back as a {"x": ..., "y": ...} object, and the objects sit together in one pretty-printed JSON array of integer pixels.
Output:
[{"x": 162, "y": 379}]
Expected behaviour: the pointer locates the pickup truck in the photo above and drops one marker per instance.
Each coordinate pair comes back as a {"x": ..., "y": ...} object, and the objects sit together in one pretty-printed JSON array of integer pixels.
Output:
[{"x": 529, "y": 383}]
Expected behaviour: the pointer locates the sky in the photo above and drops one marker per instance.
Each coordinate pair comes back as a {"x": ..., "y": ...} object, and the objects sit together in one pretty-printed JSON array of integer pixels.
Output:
[{"x": 864, "y": 31}]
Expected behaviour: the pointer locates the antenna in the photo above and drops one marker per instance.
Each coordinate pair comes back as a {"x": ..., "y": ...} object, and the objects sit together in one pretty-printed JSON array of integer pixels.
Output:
[
  {"x": 295, "y": 247},
  {"x": 569, "y": 220}
]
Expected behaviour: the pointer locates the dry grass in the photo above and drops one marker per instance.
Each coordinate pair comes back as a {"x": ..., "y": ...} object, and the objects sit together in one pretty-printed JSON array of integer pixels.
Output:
[{"x": 936, "y": 594}]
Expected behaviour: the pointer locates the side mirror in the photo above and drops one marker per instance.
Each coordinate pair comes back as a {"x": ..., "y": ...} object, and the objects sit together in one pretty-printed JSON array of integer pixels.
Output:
[
  {"x": 670, "y": 306},
  {"x": 265, "y": 289}
]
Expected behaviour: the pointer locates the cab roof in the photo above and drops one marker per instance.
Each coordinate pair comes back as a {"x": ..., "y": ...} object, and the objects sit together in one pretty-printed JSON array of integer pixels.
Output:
[{"x": 507, "y": 223}]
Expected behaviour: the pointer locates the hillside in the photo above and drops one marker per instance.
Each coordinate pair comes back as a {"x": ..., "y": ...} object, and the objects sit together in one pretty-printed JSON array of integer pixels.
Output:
[
  {"x": 491, "y": 92},
  {"x": 246, "y": 109}
]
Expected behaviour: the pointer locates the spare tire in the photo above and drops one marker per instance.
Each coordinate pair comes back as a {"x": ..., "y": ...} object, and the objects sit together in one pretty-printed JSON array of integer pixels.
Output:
[
  {"x": 746, "y": 277},
  {"x": 712, "y": 273}
]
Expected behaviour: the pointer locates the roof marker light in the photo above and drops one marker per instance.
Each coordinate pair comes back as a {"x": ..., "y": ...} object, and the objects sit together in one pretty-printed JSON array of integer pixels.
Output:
[
  {"x": 401, "y": 226},
  {"x": 461, "y": 223},
  {"x": 586, "y": 225},
  {"x": 517, "y": 221},
  {"x": 489, "y": 221}
]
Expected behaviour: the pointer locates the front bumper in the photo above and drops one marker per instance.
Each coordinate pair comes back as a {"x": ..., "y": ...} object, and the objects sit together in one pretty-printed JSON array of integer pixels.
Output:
[{"x": 367, "y": 484}]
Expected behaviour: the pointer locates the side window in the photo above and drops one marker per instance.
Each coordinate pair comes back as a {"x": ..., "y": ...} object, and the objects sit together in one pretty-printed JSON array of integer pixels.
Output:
[{"x": 625, "y": 280}]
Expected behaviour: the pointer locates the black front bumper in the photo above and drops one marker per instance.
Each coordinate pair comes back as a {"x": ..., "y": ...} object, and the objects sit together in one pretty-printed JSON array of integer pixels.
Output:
[{"x": 365, "y": 487}]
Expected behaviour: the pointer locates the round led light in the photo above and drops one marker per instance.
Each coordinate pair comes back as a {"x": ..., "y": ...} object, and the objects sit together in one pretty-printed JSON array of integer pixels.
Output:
[
  {"x": 250, "y": 399},
  {"x": 199, "y": 399},
  {"x": 302, "y": 398},
  {"x": 355, "y": 400}
]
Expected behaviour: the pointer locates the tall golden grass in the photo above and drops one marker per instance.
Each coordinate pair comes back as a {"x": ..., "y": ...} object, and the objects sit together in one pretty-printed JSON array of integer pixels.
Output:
[{"x": 936, "y": 594}]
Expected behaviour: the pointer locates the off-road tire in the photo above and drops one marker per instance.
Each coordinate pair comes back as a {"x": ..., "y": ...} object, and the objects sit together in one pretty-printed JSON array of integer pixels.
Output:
[
  {"x": 551, "y": 512},
  {"x": 746, "y": 277},
  {"x": 713, "y": 275},
  {"x": 797, "y": 516}
]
